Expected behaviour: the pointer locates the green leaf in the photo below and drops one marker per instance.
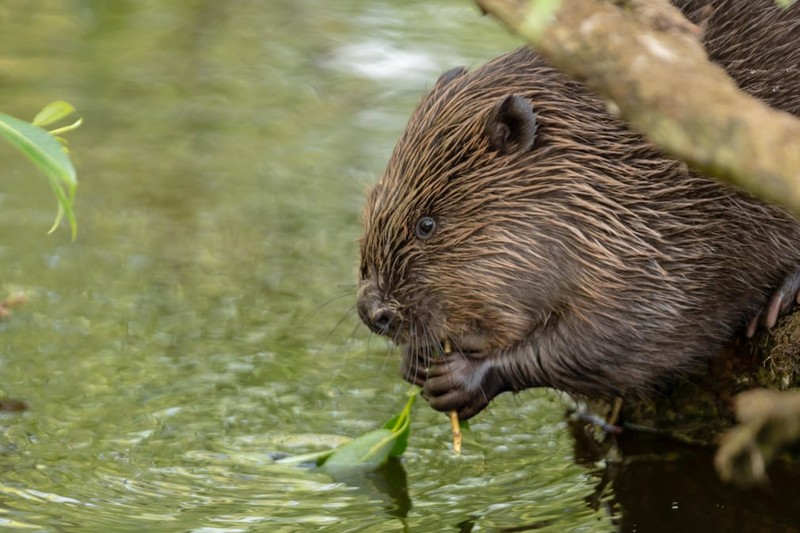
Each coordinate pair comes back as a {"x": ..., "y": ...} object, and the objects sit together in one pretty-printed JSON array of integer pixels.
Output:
[
  {"x": 401, "y": 437},
  {"x": 314, "y": 457},
  {"x": 53, "y": 112},
  {"x": 46, "y": 153},
  {"x": 366, "y": 452},
  {"x": 400, "y": 425},
  {"x": 40, "y": 147},
  {"x": 372, "y": 449}
]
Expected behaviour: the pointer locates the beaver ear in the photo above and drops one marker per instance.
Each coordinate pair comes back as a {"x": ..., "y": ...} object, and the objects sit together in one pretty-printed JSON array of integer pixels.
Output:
[
  {"x": 512, "y": 125},
  {"x": 450, "y": 75}
]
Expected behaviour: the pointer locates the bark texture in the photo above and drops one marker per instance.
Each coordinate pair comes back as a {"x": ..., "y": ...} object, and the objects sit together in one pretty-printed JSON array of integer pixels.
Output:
[{"x": 650, "y": 65}]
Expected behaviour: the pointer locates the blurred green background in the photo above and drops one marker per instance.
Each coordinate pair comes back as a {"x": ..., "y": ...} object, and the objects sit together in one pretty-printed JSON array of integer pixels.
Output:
[{"x": 204, "y": 317}]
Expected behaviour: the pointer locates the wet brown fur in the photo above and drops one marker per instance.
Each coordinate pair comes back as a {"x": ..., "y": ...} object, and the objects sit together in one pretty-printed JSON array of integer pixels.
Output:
[{"x": 590, "y": 263}]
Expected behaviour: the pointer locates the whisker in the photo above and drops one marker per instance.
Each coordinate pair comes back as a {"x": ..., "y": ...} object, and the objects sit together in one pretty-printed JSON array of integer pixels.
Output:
[
  {"x": 350, "y": 292},
  {"x": 413, "y": 352},
  {"x": 347, "y": 314},
  {"x": 426, "y": 349},
  {"x": 356, "y": 327},
  {"x": 387, "y": 356}
]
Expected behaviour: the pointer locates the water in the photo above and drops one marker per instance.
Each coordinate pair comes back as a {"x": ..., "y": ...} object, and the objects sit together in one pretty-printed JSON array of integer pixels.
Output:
[{"x": 203, "y": 320}]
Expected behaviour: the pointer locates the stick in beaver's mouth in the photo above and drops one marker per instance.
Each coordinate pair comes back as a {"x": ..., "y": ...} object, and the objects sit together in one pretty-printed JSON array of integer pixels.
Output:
[{"x": 454, "y": 423}]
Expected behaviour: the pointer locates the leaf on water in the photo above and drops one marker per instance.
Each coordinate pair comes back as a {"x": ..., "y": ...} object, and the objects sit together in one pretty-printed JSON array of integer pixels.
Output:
[
  {"x": 373, "y": 449},
  {"x": 401, "y": 436},
  {"x": 311, "y": 459},
  {"x": 367, "y": 452},
  {"x": 400, "y": 425}
]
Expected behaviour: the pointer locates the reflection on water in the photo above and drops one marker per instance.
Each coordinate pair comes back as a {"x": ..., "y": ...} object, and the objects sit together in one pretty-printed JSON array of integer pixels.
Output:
[{"x": 204, "y": 318}]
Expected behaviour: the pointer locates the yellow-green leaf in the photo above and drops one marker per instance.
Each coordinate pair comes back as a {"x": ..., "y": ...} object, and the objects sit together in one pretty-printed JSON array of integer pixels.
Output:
[
  {"x": 366, "y": 452},
  {"x": 400, "y": 425},
  {"x": 53, "y": 112},
  {"x": 46, "y": 153}
]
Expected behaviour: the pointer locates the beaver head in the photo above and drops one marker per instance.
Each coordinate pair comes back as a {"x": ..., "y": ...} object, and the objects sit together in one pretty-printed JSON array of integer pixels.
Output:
[{"x": 549, "y": 245}]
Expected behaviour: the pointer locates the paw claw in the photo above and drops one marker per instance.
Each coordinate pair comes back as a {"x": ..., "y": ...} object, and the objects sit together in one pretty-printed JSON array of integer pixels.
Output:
[
  {"x": 753, "y": 326},
  {"x": 782, "y": 302}
]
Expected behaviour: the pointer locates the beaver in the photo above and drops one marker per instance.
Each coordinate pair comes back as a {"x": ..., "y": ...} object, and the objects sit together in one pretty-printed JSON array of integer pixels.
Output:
[{"x": 551, "y": 246}]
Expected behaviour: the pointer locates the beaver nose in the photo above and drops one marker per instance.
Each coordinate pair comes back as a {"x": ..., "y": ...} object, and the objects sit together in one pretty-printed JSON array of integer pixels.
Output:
[
  {"x": 379, "y": 317},
  {"x": 382, "y": 319}
]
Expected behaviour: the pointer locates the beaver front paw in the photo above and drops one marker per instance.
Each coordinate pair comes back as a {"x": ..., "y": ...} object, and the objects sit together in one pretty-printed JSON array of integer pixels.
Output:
[
  {"x": 783, "y": 300},
  {"x": 414, "y": 367},
  {"x": 463, "y": 383}
]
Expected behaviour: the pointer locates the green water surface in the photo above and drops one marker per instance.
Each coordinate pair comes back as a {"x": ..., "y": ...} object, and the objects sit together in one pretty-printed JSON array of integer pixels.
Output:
[{"x": 204, "y": 319}]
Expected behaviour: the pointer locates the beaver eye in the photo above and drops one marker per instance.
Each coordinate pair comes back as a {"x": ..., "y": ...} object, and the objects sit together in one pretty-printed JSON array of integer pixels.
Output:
[{"x": 425, "y": 227}]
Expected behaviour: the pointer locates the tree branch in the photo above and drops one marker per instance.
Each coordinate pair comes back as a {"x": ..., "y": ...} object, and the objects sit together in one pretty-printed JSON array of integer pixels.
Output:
[{"x": 649, "y": 63}]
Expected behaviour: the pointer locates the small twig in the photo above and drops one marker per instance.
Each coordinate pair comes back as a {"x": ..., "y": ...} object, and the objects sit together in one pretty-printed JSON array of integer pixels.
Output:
[
  {"x": 615, "y": 411},
  {"x": 454, "y": 422},
  {"x": 595, "y": 420}
]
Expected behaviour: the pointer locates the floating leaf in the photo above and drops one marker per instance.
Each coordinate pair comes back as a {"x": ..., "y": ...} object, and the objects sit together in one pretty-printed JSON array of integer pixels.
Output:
[
  {"x": 400, "y": 425},
  {"x": 367, "y": 452},
  {"x": 314, "y": 458}
]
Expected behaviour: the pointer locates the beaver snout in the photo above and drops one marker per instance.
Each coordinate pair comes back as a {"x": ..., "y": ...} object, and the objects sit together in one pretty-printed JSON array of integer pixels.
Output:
[
  {"x": 375, "y": 313},
  {"x": 377, "y": 317}
]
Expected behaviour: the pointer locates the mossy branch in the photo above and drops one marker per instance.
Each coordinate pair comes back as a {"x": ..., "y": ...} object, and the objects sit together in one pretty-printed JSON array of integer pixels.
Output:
[{"x": 648, "y": 62}]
